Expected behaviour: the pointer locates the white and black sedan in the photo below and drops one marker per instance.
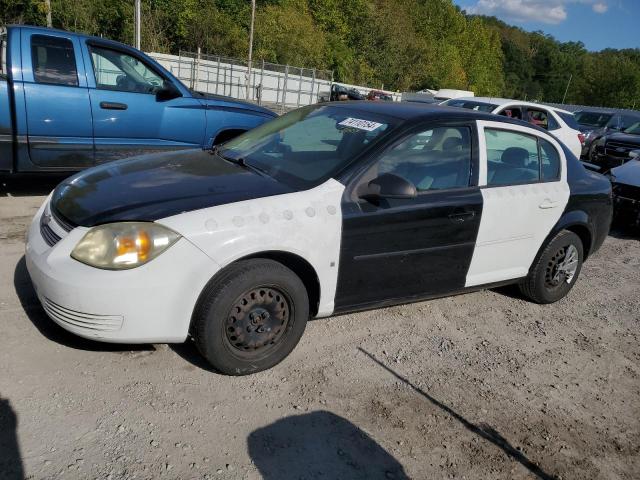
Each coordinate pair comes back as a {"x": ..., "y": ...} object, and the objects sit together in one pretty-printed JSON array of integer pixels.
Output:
[{"x": 328, "y": 209}]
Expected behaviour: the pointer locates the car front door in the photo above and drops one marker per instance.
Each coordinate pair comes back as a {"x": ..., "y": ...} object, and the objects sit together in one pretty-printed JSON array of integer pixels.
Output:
[
  {"x": 130, "y": 117},
  {"x": 59, "y": 123},
  {"x": 524, "y": 192},
  {"x": 399, "y": 248}
]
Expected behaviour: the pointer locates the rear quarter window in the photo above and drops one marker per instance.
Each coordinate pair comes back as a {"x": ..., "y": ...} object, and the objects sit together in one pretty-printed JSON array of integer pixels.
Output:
[
  {"x": 53, "y": 60},
  {"x": 569, "y": 119}
]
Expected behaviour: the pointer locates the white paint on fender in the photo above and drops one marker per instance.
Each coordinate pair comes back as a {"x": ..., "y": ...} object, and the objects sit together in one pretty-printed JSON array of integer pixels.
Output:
[
  {"x": 515, "y": 219},
  {"x": 306, "y": 223}
]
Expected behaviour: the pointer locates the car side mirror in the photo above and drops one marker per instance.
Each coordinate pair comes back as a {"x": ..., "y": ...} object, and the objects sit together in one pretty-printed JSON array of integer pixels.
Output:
[
  {"x": 168, "y": 92},
  {"x": 388, "y": 185}
]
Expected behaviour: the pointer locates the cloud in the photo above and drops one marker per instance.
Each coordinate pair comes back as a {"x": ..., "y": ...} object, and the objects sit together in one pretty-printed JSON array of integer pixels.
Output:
[
  {"x": 538, "y": 11},
  {"x": 600, "y": 7}
]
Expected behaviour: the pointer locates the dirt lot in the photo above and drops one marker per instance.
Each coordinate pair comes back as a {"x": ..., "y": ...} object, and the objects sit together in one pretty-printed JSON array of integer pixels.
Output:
[{"x": 478, "y": 386}]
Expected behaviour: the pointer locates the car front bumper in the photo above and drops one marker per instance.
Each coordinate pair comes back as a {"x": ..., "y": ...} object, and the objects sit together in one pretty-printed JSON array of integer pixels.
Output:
[
  {"x": 627, "y": 210},
  {"x": 152, "y": 303}
]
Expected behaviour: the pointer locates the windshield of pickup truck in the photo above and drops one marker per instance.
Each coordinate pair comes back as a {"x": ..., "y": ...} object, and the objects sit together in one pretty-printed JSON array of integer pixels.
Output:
[
  {"x": 309, "y": 145},
  {"x": 593, "y": 119},
  {"x": 471, "y": 105}
]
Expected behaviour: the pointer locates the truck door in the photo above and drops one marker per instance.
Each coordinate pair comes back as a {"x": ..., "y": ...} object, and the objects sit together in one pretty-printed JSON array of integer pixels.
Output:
[
  {"x": 130, "y": 117},
  {"x": 59, "y": 123}
]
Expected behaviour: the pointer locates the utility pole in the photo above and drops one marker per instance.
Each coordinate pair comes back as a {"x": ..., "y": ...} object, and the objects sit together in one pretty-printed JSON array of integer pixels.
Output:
[
  {"x": 567, "y": 89},
  {"x": 253, "y": 19},
  {"x": 136, "y": 23},
  {"x": 48, "y": 7}
]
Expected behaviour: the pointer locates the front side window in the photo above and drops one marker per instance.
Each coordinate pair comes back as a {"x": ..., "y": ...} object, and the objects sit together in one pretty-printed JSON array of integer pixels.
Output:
[
  {"x": 119, "y": 71},
  {"x": 433, "y": 159},
  {"x": 53, "y": 60},
  {"x": 627, "y": 121},
  {"x": 512, "y": 158},
  {"x": 3, "y": 56},
  {"x": 592, "y": 119},
  {"x": 309, "y": 145}
]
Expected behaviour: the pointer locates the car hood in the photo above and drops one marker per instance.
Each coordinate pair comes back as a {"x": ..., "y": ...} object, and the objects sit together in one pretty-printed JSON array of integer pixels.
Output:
[
  {"x": 220, "y": 101},
  {"x": 627, "y": 174},
  {"x": 156, "y": 186},
  {"x": 625, "y": 137}
]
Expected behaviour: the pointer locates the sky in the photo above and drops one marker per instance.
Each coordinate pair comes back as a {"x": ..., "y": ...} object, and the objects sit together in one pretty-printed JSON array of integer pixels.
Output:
[{"x": 599, "y": 24}]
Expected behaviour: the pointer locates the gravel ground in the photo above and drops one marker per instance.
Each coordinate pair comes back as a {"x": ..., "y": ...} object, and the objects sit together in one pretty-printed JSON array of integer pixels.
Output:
[{"x": 484, "y": 385}]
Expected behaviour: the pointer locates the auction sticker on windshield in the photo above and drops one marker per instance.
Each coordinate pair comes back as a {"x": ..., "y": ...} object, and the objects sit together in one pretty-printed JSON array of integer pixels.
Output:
[{"x": 360, "y": 124}]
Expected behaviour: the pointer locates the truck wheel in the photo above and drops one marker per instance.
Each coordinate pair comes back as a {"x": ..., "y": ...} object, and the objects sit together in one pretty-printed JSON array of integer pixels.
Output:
[
  {"x": 250, "y": 317},
  {"x": 556, "y": 270}
]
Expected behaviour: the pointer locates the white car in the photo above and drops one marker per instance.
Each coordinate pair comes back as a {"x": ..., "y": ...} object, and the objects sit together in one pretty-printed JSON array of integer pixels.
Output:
[
  {"x": 560, "y": 122},
  {"x": 329, "y": 209}
]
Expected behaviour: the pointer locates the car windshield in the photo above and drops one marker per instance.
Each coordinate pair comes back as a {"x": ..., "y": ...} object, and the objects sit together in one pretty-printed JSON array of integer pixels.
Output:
[
  {"x": 307, "y": 146},
  {"x": 471, "y": 105},
  {"x": 633, "y": 129},
  {"x": 593, "y": 119}
]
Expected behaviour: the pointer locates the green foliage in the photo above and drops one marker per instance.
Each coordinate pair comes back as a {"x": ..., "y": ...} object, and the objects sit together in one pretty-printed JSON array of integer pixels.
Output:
[{"x": 398, "y": 44}]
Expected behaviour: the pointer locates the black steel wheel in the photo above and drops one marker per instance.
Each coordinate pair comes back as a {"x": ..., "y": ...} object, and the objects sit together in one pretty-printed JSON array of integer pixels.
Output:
[
  {"x": 555, "y": 270},
  {"x": 250, "y": 316}
]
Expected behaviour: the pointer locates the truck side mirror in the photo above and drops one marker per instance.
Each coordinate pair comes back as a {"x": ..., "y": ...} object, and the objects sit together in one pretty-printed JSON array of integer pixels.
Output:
[
  {"x": 634, "y": 154},
  {"x": 168, "y": 92}
]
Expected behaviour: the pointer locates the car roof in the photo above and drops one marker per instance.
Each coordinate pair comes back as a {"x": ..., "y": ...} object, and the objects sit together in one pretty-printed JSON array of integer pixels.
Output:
[
  {"x": 504, "y": 101},
  {"x": 424, "y": 111}
]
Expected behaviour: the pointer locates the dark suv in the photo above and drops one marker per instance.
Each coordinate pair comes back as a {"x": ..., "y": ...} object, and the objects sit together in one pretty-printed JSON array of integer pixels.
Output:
[{"x": 597, "y": 123}]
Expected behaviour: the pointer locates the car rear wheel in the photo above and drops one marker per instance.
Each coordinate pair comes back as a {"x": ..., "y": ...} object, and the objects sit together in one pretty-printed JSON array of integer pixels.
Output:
[
  {"x": 556, "y": 269},
  {"x": 250, "y": 317}
]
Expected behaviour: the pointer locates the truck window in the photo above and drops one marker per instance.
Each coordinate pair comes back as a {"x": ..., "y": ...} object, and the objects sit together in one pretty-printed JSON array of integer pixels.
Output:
[
  {"x": 3, "y": 56},
  {"x": 116, "y": 70},
  {"x": 53, "y": 60}
]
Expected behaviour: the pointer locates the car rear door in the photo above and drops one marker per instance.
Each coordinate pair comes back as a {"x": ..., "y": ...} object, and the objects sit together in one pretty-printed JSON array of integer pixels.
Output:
[
  {"x": 416, "y": 247},
  {"x": 129, "y": 118},
  {"x": 58, "y": 112},
  {"x": 524, "y": 189}
]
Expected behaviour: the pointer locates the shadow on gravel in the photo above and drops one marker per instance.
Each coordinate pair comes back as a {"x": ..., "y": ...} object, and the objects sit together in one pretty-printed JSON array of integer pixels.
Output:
[
  {"x": 188, "y": 352},
  {"x": 320, "y": 445},
  {"x": 49, "y": 329},
  {"x": 29, "y": 185},
  {"x": 10, "y": 461},
  {"x": 625, "y": 233},
  {"x": 482, "y": 430}
]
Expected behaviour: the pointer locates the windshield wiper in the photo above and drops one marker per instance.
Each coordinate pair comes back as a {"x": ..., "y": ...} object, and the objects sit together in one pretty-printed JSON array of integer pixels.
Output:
[{"x": 238, "y": 161}]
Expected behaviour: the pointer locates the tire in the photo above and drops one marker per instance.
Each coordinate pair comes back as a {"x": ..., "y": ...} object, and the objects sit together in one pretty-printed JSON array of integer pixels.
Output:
[
  {"x": 548, "y": 281},
  {"x": 250, "y": 317}
]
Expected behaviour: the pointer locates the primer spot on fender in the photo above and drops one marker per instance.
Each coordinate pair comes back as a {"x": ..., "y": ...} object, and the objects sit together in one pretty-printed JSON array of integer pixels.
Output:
[
  {"x": 310, "y": 211},
  {"x": 263, "y": 217},
  {"x": 287, "y": 214},
  {"x": 331, "y": 210},
  {"x": 211, "y": 224},
  {"x": 238, "y": 221}
]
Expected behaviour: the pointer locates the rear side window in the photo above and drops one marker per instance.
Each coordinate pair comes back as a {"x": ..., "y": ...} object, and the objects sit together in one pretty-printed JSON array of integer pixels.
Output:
[
  {"x": 53, "y": 60},
  {"x": 512, "y": 158},
  {"x": 569, "y": 119},
  {"x": 550, "y": 161},
  {"x": 515, "y": 158}
]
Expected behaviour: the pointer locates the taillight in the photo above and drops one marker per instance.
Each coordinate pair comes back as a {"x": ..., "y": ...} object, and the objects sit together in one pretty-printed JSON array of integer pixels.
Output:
[{"x": 582, "y": 138}]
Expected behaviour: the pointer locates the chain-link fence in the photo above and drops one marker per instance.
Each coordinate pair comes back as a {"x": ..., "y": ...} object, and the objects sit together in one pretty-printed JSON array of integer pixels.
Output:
[{"x": 280, "y": 87}]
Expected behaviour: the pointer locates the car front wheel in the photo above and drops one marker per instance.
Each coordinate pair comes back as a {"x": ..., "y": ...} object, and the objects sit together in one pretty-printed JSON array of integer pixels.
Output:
[
  {"x": 556, "y": 269},
  {"x": 250, "y": 317}
]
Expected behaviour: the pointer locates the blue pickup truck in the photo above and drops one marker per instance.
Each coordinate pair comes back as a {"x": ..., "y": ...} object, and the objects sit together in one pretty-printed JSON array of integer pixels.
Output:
[{"x": 70, "y": 101}]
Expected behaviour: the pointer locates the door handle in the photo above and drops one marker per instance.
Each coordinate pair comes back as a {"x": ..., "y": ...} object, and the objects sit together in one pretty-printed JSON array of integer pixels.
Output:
[
  {"x": 113, "y": 106},
  {"x": 548, "y": 203},
  {"x": 462, "y": 216}
]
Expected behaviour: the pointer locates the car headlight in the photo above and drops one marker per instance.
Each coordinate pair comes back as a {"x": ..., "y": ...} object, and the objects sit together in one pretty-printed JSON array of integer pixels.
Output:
[{"x": 119, "y": 246}]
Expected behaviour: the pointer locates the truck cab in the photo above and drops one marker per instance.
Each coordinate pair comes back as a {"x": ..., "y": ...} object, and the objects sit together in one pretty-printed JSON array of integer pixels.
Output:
[{"x": 70, "y": 101}]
